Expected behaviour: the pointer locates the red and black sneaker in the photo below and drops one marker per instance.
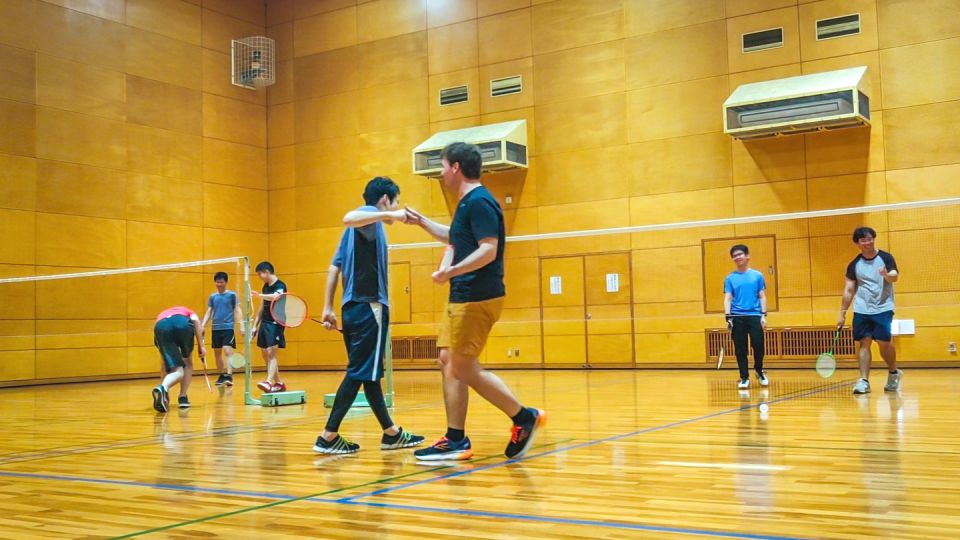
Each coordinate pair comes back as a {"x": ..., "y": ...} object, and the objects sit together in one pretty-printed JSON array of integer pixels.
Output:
[{"x": 522, "y": 435}]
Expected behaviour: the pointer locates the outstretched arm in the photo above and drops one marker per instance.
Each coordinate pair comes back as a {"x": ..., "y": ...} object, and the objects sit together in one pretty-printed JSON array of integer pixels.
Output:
[
  {"x": 440, "y": 232},
  {"x": 360, "y": 218}
]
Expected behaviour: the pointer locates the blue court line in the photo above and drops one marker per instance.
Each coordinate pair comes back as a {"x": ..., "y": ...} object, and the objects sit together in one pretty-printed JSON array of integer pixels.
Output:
[
  {"x": 564, "y": 521},
  {"x": 585, "y": 444},
  {"x": 173, "y": 487}
]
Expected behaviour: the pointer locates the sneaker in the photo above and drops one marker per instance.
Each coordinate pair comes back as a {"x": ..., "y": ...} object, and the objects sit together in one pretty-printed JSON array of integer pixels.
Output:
[
  {"x": 744, "y": 383},
  {"x": 862, "y": 387},
  {"x": 183, "y": 402},
  {"x": 893, "y": 381},
  {"x": 522, "y": 436},
  {"x": 336, "y": 446},
  {"x": 445, "y": 449},
  {"x": 265, "y": 386},
  {"x": 279, "y": 387},
  {"x": 764, "y": 381},
  {"x": 220, "y": 380},
  {"x": 404, "y": 439},
  {"x": 228, "y": 380},
  {"x": 161, "y": 399}
]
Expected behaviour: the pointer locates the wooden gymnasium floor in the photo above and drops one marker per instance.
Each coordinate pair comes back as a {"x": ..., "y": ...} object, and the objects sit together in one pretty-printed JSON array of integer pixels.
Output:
[{"x": 627, "y": 454}]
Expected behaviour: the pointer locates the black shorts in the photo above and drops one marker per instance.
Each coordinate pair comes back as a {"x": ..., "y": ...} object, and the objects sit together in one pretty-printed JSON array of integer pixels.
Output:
[
  {"x": 876, "y": 326},
  {"x": 224, "y": 338},
  {"x": 269, "y": 335},
  {"x": 173, "y": 336},
  {"x": 365, "y": 335}
]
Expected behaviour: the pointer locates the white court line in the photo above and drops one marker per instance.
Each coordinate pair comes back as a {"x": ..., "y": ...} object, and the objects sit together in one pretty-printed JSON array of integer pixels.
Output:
[{"x": 737, "y": 466}]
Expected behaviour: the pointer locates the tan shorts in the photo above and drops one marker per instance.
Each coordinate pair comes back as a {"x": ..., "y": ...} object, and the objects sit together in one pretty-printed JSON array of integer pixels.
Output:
[{"x": 464, "y": 327}]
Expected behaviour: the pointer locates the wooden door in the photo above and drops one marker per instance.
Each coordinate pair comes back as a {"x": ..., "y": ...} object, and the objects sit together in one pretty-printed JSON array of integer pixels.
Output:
[
  {"x": 399, "y": 278},
  {"x": 609, "y": 315},
  {"x": 564, "y": 328}
]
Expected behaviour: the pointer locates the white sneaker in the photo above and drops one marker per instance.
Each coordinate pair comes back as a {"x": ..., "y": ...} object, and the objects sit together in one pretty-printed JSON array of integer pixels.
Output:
[
  {"x": 764, "y": 381},
  {"x": 862, "y": 387},
  {"x": 893, "y": 381},
  {"x": 744, "y": 383}
]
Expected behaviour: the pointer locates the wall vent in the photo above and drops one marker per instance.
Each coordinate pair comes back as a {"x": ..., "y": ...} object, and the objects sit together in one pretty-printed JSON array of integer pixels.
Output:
[
  {"x": 506, "y": 86},
  {"x": 796, "y": 343},
  {"x": 415, "y": 348},
  {"x": 762, "y": 40},
  {"x": 847, "y": 25},
  {"x": 453, "y": 95}
]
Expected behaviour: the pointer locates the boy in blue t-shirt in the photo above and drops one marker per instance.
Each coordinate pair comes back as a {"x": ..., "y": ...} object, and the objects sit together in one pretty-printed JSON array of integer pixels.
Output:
[
  {"x": 224, "y": 309},
  {"x": 745, "y": 308}
]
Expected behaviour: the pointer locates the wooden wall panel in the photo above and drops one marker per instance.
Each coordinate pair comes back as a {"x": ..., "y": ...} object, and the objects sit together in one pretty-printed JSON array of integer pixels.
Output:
[
  {"x": 381, "y": 19},
  {"x": 166, "y": 106},
  {"x": 65, "y": 136},
  {"x": 64, "y": 188},
  {"x": 18, "y": 182},
  {"x": 506, "y": 36},
  {"x": 649, "y": 16},
  {"x": 442, "y": 13},
  {"x": 164, "y": 200},
  {"x": 325, "y": 32},
  {"x": 453, "y": 47},
  {"x": 18, "y": 74},
  {"x": 905, "y": 23},
  {"x": 696, "y": 52},
  {"x": 921, "y": 74},
  {"x": 72, "y": 86},
  {"x": 177, "y": 20},
  {"x": 21, "y": 119},
  {"x": 676, "y": 110},
  {"x": 574, "y": 23}
]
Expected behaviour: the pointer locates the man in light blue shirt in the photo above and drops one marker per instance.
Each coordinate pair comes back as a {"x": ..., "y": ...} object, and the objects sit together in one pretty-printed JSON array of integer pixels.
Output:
[
  {"x": 224, "y": 309},
  {"x": 745, "y": 308}
]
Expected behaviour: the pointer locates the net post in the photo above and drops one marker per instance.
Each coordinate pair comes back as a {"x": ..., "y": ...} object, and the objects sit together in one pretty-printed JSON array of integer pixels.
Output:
[{"x": 248, "y": 321}]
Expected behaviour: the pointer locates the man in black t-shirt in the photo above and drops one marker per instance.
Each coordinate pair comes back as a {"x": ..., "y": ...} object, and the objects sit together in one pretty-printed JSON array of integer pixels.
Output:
[
  {"x": 268, "y": 332},
  {"x": 476, "y": 299}
]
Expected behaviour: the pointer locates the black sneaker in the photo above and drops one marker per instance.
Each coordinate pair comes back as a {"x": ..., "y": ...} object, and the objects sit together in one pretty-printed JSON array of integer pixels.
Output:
[
  {"x": 221, "y": 380},
  {"x": 161, "y": 400},
  {"x": 445, "y": 450},
  {"x": 404, "y": 439},
  {"x": 228, "y": 380},
  {"x": 183, "y": 402},
  {"x": 521, "y": 436},
  {"x": 336, "y": 446}
]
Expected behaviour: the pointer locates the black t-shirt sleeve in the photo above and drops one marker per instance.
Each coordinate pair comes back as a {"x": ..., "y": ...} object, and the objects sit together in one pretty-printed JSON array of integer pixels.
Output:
[
  {"x": 484, "y": 220},
  {"x": 852, "y": 269},
  {"x": 888, "y": 261}
]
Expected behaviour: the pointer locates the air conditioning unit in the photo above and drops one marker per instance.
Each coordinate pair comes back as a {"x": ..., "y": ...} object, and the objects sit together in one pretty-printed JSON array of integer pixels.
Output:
[
  {"x": 502, "y": 146},
  {"x": 804, "y": 104}
]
